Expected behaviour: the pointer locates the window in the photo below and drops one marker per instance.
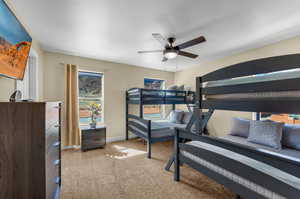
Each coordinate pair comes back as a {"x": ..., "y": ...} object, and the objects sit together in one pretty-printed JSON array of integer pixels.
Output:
[
  {"x": 28, "y": 86},
  {"x": 154, "y": 111},
  {"x": 286, "y": 118},
  {"x": 90, "y": 86}
]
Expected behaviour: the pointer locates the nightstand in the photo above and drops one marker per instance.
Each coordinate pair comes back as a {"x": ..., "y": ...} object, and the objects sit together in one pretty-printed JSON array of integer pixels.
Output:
[{"x": 93, "y": 138}]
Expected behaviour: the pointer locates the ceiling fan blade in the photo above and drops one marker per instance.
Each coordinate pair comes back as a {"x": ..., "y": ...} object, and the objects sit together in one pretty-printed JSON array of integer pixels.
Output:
[
  {"x": 187, "y": 54},
  {"x": 191, "y": 43},
  {"x": 150, "y": 51},
  {"x": 164, "y": 59},
  {"x": 160, "y": 39}
]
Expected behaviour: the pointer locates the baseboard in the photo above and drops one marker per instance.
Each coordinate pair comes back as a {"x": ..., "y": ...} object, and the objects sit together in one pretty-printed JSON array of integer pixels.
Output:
[
  {"x": 71, "y": 147},
  {"x": 108, "y": 140}
]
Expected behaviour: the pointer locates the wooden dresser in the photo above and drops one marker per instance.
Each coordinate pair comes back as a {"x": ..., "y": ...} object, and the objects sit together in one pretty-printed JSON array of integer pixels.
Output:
[{"x": 30, "y": 158}]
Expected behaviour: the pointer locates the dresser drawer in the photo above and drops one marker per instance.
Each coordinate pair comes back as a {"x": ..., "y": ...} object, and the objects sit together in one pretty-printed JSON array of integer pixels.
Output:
[
  {"x": 52, "y": 137},
  {"x": 52, "y": 170},
  {"x": 91, "y": 135},
  {"x": 53, "y": 186},
  {"x": 52, "y": 114}
]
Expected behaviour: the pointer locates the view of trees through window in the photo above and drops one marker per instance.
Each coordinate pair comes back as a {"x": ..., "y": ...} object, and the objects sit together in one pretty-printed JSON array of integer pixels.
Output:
[
  {"x": 90, "y": 96},
  {"x": 154, "y": 111},
  {"x": 286, "y": 118}
]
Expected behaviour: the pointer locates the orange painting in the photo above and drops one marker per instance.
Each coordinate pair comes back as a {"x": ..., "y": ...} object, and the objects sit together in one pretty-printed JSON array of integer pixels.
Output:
[{"x": 15, "y": 44}]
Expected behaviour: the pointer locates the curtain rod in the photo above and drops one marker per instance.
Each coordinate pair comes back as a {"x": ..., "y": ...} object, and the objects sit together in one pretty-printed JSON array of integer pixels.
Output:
[{"x": 63, "y": 64}]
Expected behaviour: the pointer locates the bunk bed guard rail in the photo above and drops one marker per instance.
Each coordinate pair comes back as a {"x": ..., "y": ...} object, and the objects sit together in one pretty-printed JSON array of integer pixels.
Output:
[
  {"x": 264, "y": 85},
  {"x": 154, "y": 96}
]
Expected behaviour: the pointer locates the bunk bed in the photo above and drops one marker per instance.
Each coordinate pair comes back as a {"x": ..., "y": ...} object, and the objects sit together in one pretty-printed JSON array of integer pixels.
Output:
[
  {"x": 269, "y": 85},
  {"x": 150, "y": 131}
]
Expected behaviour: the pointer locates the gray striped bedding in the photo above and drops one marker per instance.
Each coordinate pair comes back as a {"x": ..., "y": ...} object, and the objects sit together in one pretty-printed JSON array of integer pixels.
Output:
[{"x": 263, "y": 167}]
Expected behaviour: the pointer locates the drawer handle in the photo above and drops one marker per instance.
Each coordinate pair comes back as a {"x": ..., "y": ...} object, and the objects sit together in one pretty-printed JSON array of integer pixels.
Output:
[
  {"x": 56, "y": 144},
  {"x": 57, "y": 180},
  {"x": 56, "y": 162}
]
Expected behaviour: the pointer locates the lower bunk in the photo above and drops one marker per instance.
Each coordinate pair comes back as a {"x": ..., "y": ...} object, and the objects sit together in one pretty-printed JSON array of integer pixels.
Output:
[
  {"x": 248, "y": 171},
  {"x": 151, "y": 132}
]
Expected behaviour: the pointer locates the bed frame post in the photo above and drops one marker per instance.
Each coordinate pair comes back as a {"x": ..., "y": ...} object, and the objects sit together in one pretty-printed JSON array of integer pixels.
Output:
[
  {"x": 257, "y": 116},
  {"x": 176, "y": 156},
  {"x": 198, "y": 102},
  {"x": 173, "y": 107},
  {"x": 149, "y": 141},
  {"x": 126, "y": 109},
  {"x": 141, "y": 104}
]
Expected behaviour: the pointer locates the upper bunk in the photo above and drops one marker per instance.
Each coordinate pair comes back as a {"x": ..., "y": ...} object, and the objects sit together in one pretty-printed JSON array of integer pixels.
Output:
[
  {"x": 264, "y": 85},
  {"x": 153, "y": 96}
]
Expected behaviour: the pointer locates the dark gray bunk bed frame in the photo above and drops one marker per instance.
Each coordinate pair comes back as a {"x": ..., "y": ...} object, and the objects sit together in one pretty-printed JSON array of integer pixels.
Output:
[
  {"x": 273, "y": 105},
  {"x": 143, "y": 128}
]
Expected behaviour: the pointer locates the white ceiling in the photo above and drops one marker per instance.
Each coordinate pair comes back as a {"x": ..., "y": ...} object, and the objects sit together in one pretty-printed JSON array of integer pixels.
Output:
[{"x": 115, "y": 30}]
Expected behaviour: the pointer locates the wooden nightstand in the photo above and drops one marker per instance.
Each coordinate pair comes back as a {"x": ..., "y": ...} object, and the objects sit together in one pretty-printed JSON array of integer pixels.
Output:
[{"x": 93, "y": 138}]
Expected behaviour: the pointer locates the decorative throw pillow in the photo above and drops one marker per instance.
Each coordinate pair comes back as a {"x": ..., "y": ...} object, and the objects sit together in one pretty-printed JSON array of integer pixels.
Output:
[
  {"x": 173, "y": 87},
  {"x": 266, "y": 133},
  {"x": 240, "y": 127},
  {"x": 180, "y": 88},
  {"x": 187, "y": 117},
  {"x": 176, "y": 116},
  {"x": 291, "y": 136}
]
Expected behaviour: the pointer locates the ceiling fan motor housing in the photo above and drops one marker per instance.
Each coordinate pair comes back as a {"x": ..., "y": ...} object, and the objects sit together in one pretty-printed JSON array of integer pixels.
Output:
[{"x": 171, "y": 40}]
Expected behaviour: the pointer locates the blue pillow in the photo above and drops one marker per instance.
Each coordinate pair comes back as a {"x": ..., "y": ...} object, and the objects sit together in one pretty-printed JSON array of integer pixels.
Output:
[
  {"x": 291, "y": 136},
  {"x": 240, "y": 127},
  {"x": 266, "y": 133},
  {"x": 176, "y": 116}
]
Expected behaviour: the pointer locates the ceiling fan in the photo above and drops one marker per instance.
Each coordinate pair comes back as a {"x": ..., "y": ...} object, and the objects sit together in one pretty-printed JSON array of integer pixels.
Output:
[{"x": 171, "y": 51}]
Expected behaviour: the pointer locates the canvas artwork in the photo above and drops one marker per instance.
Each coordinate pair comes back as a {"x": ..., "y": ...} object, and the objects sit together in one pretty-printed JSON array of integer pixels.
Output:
[{"x": 15, "y": 44}]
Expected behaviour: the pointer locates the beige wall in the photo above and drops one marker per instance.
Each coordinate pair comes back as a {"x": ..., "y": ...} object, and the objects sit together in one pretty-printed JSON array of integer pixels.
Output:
[
  {"x": 220, "y": 122},
  {"x": 117, "y": 79},
  {"x": 7, "y": 86}
]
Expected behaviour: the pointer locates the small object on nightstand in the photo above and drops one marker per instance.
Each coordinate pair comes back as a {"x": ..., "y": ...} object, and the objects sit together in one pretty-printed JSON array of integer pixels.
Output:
[
  {"x": 93, "y": 138},
  {"x": 16, "y": 96}
]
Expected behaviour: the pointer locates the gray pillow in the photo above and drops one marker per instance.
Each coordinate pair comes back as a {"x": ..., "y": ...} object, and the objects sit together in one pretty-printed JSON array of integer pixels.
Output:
[
  {"x": 240, "y": 127},
  {"x": 266, "y": 133},
  {"x": 176, "y": 116},
  {"x": 187, "y": 117},
  {"x": 291, "y": 136}
]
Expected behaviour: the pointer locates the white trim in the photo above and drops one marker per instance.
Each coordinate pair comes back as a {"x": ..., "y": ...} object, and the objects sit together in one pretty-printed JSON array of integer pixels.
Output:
[
  {"x": 71, "y": 147},
  {"x": 108, "y": 140}
]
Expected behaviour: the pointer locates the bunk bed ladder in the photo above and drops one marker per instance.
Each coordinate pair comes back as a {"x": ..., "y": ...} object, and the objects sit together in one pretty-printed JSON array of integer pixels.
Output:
[{"x": 205, "y": 118}]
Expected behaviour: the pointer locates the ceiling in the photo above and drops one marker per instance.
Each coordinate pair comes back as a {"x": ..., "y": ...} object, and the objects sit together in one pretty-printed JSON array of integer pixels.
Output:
[{"x": 115, "y": 30}]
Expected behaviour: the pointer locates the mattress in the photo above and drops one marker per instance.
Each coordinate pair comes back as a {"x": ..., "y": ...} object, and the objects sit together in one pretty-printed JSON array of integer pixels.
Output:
[
  {"x": 280, "y": 75},
  {"x": 257, "y": 95},
  {"x": 262, "y": 167},
  {"x": 287, "y": 153},
  {"x": 167, "y": 124}
]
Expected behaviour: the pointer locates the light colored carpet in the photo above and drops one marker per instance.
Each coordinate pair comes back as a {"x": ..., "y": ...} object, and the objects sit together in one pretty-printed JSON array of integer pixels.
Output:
[{"x": 122, "y": 171}]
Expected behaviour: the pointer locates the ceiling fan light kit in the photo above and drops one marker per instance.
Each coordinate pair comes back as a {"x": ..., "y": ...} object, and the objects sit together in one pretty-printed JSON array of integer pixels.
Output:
[{"x": 170, "y": 51}]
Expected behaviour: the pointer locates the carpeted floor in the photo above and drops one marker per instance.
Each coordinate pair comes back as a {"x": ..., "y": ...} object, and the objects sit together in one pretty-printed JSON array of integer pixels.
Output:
[{"x": 122, "y": 171}]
